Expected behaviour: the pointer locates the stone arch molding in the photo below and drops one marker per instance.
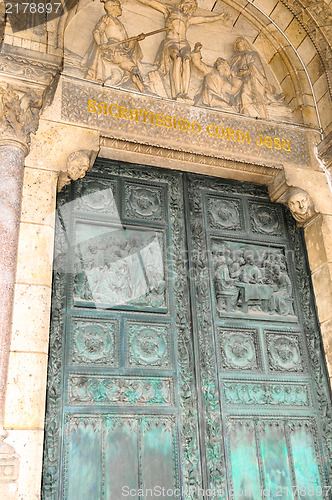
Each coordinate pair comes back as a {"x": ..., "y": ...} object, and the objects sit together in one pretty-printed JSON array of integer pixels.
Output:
[{"x": 229, "y": 58}]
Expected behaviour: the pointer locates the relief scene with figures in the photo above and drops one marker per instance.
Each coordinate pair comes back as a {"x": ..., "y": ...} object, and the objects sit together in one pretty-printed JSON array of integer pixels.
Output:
[{"x": 174, "y": 51}]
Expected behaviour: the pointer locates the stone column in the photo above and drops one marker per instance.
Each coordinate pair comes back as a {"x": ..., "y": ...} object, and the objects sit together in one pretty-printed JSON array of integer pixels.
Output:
[
  {"x": 11, "y": 182},
  {"x": 19, "y": 117},
  {"x": 12, "y": 156}
]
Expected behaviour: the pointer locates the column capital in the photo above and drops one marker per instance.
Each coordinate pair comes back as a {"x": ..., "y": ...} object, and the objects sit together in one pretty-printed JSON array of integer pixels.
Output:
[
  {"x": 19, "y": 115},
  {"x": 27, "y": 85}
]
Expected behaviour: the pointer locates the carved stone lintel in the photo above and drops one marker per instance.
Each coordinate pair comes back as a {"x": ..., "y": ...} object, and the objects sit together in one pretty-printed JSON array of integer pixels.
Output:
[{"x": 78, "y": 163}]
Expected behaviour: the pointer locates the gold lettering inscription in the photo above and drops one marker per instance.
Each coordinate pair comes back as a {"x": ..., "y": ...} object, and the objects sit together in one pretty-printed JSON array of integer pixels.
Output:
[
  {"x": 222, "y": 133},
  {"x": 284, "y": 144},
  {"x": 110, "y": 110},
  {"x": 144, "y": 114},
  {"x": 276, "y": 142},
  {"x": 159, "y": 120},
  {"x": 184, "y": 125},
  {"x": 195, "y": 125},
  {"x": 209, "y": 131},
  {"x": 102, "y": 107},
  {"x": 92, "y": 106},
  {"x": 134, "y": 112},
  {"x": 123, "y": 112},
  {"x": 230, "y": 134},
  {"x": 168, "y": 121}
]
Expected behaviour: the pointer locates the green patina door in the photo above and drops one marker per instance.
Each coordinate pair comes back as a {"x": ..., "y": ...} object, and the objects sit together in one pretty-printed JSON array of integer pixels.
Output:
[{"x": 185, "y": 357}]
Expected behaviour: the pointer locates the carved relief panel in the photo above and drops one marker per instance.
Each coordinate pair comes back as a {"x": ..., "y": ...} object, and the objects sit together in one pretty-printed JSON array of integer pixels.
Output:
[{"x": 181, "y": 52}]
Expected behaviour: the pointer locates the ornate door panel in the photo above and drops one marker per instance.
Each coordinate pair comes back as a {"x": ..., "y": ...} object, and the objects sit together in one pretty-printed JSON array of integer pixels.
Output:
[
  {"x": 261, "y": 373},
  {"x": 184, "y": 353},
  {"x": 122, "y": 396}
]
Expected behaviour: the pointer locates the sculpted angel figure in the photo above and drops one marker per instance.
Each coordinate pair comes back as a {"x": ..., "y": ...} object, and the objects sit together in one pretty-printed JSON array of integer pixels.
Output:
[
  {"x": 219, "y": 86},
  {"x": 256, "y": 92},
  {"x": 108, "y": 59},
  {"x": 173, "y": 55}
]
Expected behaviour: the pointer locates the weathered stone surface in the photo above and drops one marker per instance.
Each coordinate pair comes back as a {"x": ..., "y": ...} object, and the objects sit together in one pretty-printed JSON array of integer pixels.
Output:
[
  {"x": 25, "y": 399},
  {"x": 322, "y": 282},
  {"x": 31, "y": 318},
  {"x": 34, "y": 264},
  {"x": 39, "y": 194}
]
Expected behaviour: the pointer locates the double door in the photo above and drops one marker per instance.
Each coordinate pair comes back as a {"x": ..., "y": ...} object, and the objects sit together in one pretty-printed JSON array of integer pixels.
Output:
[{"x": 185, "y": 358}]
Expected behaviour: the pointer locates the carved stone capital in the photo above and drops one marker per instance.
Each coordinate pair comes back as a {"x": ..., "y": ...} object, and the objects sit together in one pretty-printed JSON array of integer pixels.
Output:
[
  {"x": 27, "y": 85},
  {"x": 19, "y": 115},
  {"x": 78, "y": 163}
]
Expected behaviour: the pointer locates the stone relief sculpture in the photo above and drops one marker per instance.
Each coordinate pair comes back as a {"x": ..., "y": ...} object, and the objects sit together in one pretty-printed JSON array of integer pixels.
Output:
[
  {"x": 174, "y": 53},
  {"x": 219, "y": 86},
  {"x": 301, "y": 206},
  {"x": 256, "y": 92},
  {"x": 110, "y": 58},
  {"x": 174, "y": 67},
  {"x": 78, "y": 163},
  {"x": 248, "y": 279}
]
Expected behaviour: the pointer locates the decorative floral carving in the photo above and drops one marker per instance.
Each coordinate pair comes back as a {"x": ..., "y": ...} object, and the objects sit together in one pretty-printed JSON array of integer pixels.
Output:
[
  {"x": 238, "y": 350},
  {"x": 263, "y": 393},
  {"x": 120, "y": 391},
  {"x": 148, "y": 345},
  {"x": 224, "y": 213},
  {"x": 143, "y": 202},
  {"x": 19, "y": 113},
  {"x": 284, "y": 352},
  {"x": 266, "y": 219},
  {"x": 97, "y": 196},
  {"x": 94, "y": 343}
]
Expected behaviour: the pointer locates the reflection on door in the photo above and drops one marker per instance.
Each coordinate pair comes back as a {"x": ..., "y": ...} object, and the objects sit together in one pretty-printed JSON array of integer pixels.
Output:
[{"x": 183, "y": 349}]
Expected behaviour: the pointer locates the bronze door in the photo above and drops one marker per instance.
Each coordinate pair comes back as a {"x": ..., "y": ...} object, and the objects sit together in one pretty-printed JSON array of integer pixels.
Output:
[{"x": 179, "y": 354}]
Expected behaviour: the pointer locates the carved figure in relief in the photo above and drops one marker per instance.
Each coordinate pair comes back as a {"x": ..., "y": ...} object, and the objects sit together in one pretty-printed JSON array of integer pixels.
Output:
[
  {"x": 219, "y": 86},
  {"x": 251, "y": 278},
  {"x": 255, "y": 92},
  {"x": 226, "y": 291},
  {"x": 110, "y": 59},
  {"x": 301, "y": 205},
  {"x": 281, "y": 299},
  {"x": 173, "y": 55}
]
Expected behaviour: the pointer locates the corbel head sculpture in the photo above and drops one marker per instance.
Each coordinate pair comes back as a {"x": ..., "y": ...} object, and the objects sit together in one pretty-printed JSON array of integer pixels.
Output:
[
  {"x": 301, "y": 205},
  {"x": 78, "y": 163}
]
